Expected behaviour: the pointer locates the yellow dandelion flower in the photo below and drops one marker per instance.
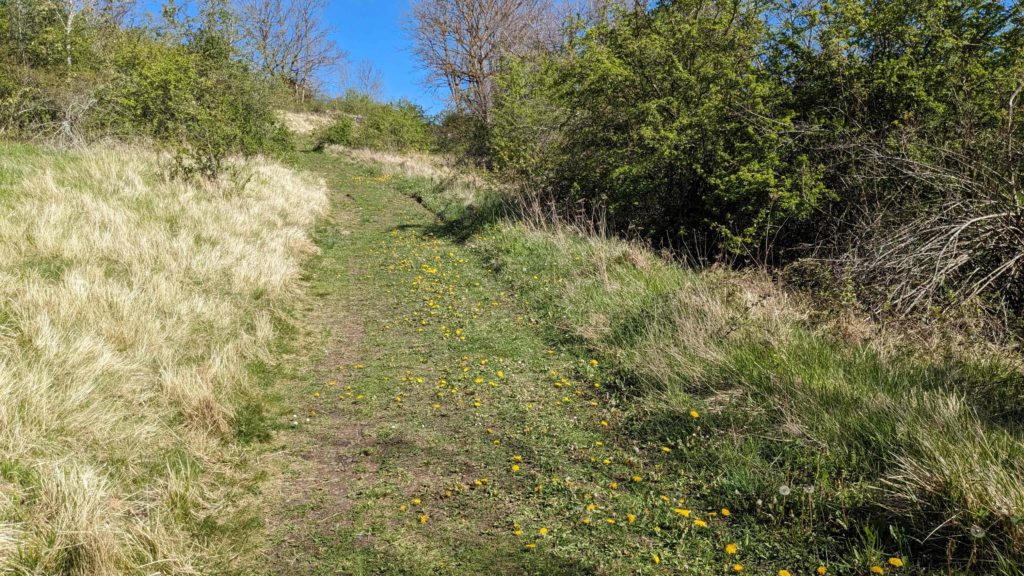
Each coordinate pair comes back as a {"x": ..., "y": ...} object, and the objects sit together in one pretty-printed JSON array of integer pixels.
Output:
[
  {"x": 700, "y": 524},
  {"x": 610, "y": 520},
  {"x": 591, "y": 507},
  {"x": 593, "y": 362},
  {"x": 517, "y": 458},
  {"x": 737, "y": 567},
  {"x": 694, "y": 414},
  {"x": 666, "y": 449},
  {"x": 543, "y": 531},
  {"x": 784, "y": 573},
  {"x": 822, "y": 570},
  {"x": 604, "y": 423},
  {"x": 614, "y": 485},
  {"x": 416, "y": 501},
  {"x": 731, "y": 549},
  {"x": 423, "y": 518},
  {"x": 725, "y": 512},
  {"x": 877, "y": 570},
  {"x": 895, "y": 562},
  {"x": 656, "y": 559},
  {"x": 682, "y": 512},
  {"x": 630, "y": 518},
  {"x": 515, "y": 467},
  {"x": 531, "y": 546},
  {"x": 586, "y": 520}
]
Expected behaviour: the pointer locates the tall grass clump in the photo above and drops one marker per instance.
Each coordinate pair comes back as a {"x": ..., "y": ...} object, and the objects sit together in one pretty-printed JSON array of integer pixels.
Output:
[{"x": 130, "y": 307}]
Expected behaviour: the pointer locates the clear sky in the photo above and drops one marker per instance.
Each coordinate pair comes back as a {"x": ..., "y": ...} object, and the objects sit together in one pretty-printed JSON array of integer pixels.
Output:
[{"x": 373, "y": 30}]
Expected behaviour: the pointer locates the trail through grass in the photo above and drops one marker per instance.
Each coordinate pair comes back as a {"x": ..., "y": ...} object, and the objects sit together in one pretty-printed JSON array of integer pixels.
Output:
[{"x": 440, "y": 433}]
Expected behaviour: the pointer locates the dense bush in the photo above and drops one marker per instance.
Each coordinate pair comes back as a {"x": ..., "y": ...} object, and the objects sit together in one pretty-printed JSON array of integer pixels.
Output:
[
  {"x": 337, "y": 133},
  {"x": 204, "y": 103},
  {"x": 181, "y": 83},
  {"x": 879, "y": 134},
  {"x": 672, "y": 124},
  {"x": 910, "y": 108},
  {"x": 400, "y": 126},
  {"x": 393, "y": 126}
]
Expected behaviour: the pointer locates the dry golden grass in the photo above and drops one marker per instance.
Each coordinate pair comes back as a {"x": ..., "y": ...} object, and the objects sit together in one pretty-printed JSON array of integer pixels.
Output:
[
  {"x": 304, "y": 123},
  {"x": 129, "y": 309}
]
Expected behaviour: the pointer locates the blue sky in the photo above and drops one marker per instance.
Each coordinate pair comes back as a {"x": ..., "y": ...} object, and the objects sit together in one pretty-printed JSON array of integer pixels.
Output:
[{"x": 372, "y": 30}]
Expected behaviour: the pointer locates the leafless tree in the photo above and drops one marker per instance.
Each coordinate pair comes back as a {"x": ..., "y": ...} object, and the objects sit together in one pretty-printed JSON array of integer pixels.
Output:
[
  {"x": 289, "y": 40},
  {"x": 369, "y": 80},
  {"x": 462, "y": 42}
]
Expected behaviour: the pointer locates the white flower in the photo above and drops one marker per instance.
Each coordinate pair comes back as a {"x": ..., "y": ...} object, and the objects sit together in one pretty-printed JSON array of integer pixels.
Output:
[
  {"x": 784, "y": 490},
  {"x": 977, "y": 531},
  {"x": 808, "y": 490}
]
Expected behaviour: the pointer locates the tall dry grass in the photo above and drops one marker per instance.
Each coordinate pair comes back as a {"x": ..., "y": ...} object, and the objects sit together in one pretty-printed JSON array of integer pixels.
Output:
[
  {"x": 305, "y": 123},
  {"x": 130, "y": 306}
]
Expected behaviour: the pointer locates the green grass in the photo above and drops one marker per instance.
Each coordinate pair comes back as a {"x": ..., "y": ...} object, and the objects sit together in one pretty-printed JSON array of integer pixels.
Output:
[{"x": 887, "y": 452}]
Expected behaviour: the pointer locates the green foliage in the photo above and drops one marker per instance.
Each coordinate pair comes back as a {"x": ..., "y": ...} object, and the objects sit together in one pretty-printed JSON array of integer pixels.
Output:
[
  {"x": 400, "y": 126},
  {"x": 775, "y": 130},
  {"x": 338, "y": 133},
  {"x": 206, "y": 107},
  {"x": 393, "y": 126},
  {"x": 465, "y": 136},
  {"x": 525, "y": 131},
  {"x": 673, "y": 126},
  {"x": 181, "y": 84}
]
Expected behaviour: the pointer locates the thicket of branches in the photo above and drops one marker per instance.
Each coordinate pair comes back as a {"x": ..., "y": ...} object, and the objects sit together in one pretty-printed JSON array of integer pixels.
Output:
[{"x": 883, "y": 139}]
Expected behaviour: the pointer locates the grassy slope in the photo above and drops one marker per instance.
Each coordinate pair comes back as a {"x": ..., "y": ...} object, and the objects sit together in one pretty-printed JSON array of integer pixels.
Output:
[
  {"x": 129, "y": 310},
  {"x": 878, "y": 448}
]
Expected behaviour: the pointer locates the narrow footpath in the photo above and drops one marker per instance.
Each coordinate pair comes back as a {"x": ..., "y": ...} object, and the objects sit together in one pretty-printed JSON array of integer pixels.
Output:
[{"x": 437, "y": 431}]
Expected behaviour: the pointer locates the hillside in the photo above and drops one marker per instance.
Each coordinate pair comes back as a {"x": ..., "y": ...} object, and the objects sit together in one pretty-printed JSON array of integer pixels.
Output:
[{"x": 525, "y": 287}]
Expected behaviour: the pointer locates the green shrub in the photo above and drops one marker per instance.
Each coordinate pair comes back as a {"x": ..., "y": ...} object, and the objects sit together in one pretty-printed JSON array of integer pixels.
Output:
[
  {"x": 466, "y": 136},
  {"x": 675, "y": 127},
  {"x": 337, "y": 133},
  {"x": 526, "y": 124},
  {"x": 182, "y": 84},
  {"x": 401, "y": 126}
]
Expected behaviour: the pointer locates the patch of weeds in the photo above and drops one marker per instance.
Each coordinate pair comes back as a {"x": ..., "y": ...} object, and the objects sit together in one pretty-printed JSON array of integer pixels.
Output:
[{"x": 251, "y": 423}]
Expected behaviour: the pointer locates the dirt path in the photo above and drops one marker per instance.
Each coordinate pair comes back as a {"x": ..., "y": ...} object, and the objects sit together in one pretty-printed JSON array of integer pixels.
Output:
[
  {"x": 445, "y": 435},
  {"x": 393, "y": 465}
]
